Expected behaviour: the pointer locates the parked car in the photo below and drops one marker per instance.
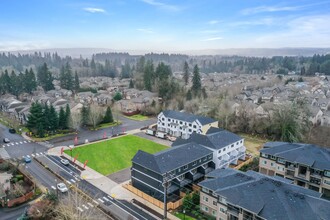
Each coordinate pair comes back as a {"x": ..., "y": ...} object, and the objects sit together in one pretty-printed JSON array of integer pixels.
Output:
[
  {"x": 62, "y": 187},
  {"x": 12, "y": 130},
  {"x": 65, "y": 162},
  {"x": 6, "y": 140},
  {"x": 161, "y": 134},
  {"x": 27, "y": 159},
  {"x": 150, "y": 132}
]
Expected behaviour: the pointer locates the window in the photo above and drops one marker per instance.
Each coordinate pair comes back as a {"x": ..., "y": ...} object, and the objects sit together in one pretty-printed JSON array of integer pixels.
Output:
[
  {"x": 214, "y": 213},
  {"x": 327, "y": 182},
  {"x": 271, "y": 164},
  {"x": 237, "y": 143},
  {"x": 185, "y": 167},
  {"x": 190, "y": 130},
  {"x": 189, "y": 124},
  {"x": 205, "y": 199},
  {"x": 180, "y": 122},
  {"x": 179, "y": 170},
  {"x": 280, "y": 160},
  {"x": 232, "y": 145},
  {"x": 169, "y": 120},
  {"x": 215, "y": 203},
  {"x": 206, "y": 209},
  {"x": 163, "y": 124},
  {"x": 264, "y": 162},
  {"x": 163, "y": 119},
  {"x": 209, "y": 157},
  {"x": 264, "y": 155},
  {"x": 194, "y": 163},
  {"x": 272, "y": 157},
  {"x": 327, "y": 173},
  {"x": 205, "y": 190},
  {"x": 241, "y": 141},
  {"x": 194, "y": 126},
  {"x": 205, "y": 158},
  {"x": 219, "y": 151},
  {"x": 222, "y": 210}
]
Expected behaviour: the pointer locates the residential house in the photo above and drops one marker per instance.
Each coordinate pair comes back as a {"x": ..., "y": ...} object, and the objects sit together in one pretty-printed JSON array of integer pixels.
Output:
[
  {"x": 226, "y": 146},
  {"x": 180, "y": 166},
  {"x": 235, "y": 195},
  {"x": 182, "y": 124},
  {"x": 305, "y": 164}
]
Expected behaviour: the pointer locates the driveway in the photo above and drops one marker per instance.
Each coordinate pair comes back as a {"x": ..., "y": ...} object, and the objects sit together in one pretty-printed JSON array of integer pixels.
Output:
[
  {"x": 83, "y": 134},
  {"x": 154, "y": 139}
]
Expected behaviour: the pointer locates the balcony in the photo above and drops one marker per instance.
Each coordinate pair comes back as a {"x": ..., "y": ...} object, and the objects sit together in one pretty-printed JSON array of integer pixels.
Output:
[
  {"x": 289, "y": 173},
  {"x": 291, "y": 167}
]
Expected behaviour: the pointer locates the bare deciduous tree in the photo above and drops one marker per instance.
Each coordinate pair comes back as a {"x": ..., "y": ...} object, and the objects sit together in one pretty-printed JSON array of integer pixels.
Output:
[
  {"x": 95, "y": 115},
  {"x": 75, "y": 121}
]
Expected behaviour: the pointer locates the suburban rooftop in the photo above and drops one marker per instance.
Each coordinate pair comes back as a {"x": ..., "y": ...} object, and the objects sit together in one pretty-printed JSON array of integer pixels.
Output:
[
  {"x": 184, "y": 116},
  {"x": 268, "y": 197}
]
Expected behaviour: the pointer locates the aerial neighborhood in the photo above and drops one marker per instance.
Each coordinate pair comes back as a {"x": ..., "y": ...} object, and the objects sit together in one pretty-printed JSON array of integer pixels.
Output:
[{"x": 122, "y": 138}]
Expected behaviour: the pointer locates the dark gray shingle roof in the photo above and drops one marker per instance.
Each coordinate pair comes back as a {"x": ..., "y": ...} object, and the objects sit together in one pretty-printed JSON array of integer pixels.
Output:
[
  {"x": 215, "y": 138},
  {"x": 172, "y": 158},
  {"x": 184, "y": 116},
  {"x": 268, "y": 197},
  {"x": 308, "y": 154}
]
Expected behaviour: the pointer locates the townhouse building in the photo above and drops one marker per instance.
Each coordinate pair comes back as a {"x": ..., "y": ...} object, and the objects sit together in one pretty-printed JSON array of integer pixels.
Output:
[
  {"x": 226, "y": 146},
  {"x": 229, "y": 194},
  {"x": 305, "y": 164},
  {"x": 182, "y": 124},
  {"x": 180, "y": 166}
]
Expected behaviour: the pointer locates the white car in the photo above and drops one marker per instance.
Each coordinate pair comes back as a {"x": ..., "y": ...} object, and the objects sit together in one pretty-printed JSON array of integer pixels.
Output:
[
  {"x": 62, "y": 187},
  {"x": 65, "y": 162}
]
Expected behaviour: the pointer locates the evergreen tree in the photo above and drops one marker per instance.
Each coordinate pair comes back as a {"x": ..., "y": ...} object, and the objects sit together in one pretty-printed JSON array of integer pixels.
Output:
[
  {"x": 62, "y": 120},
  {"x": 108, "y": 118},
  {"x": 68, "y": 116},
  {"x": 148, "y": 76},
  {"x": 131, "y": 84},
  {"x": 93, "y": 66},
  {"x": 196, "y": 81},
  {"x": 118, "y": 96},
  {"x": 76, "y": 82},
  {"x": 163, "y": 72},
  {"x": 62, "y": 77},
  {"x": 186, "y": 73},
  {"x": 45, "y": 78},
  {"x": 53, "y": 119},
  {"x": 13, "y": 83},
  {"x": 35, "y": 118},
  {"x": 84, "y": 115},
  {"x": 189, "y": 95},
  {"x": 30, "y": 81},
  {"x": 46, "y": 114},
  {"x": 125, "y": 70},
  {"x": 140, "y": 65},
  {"x": 68, "y": 77},
  {"x": 6, "y": 82}
]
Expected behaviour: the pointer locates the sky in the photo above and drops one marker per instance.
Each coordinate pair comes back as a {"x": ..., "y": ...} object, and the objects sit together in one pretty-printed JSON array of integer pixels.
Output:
[{"x": 163, "y": 25}]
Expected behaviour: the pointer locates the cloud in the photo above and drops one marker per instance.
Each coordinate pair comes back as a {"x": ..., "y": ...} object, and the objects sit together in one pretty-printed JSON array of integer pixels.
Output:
[
  {"x": 209, "y": 31},
  {"x": 304, "y": 31},
  {"x": 146, "y": 30},
  {"x": 213, "y": 22},
  {"x": 261, "y": 21},
  {"x": 162, "y": 5},
  {"x": 94, "y": 10},
  {"x": 23, "y": 45},
  {"x": 213, "y": 39},
  {"x": 262, "y": 9}
]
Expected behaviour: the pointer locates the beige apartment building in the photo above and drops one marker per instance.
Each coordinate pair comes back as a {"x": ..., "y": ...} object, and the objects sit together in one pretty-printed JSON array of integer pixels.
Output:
[
  {"x": 229, "y": 194},
  {"x": 304, "y": 164}
]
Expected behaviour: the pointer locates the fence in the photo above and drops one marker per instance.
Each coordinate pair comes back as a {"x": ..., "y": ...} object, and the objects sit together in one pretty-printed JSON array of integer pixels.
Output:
[
  {"x": 156, "y": 202},
  {"x": 20, "y": 200}
]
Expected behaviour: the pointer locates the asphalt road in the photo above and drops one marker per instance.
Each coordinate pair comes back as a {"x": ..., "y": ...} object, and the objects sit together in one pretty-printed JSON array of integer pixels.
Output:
[
  {"x": 12, "y": 213},
  {"x": 119, "y": 208},
  {"x": 84, "y": 134}
]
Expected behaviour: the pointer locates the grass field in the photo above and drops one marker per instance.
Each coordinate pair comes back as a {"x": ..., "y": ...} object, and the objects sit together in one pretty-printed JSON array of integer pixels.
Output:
[
  {"x": 253, "y": 144},
  {"x": 138, "y": 117},
  {"x": 113, "y": 155}
]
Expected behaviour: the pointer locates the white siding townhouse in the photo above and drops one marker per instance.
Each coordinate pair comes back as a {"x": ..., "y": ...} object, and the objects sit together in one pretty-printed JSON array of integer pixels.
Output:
[
  {"x": 182, "y": 124},
  {"x": 226, "y": 146}
]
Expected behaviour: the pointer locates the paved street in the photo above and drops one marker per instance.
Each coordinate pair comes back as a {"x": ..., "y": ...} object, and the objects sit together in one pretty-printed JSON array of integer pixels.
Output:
[
  {"x": 120, "y": 208},
  {"x": 84, "y": 134}
]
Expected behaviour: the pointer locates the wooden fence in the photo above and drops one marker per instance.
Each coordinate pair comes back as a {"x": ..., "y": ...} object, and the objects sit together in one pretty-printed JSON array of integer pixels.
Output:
[{"x": 20, "y": 200}]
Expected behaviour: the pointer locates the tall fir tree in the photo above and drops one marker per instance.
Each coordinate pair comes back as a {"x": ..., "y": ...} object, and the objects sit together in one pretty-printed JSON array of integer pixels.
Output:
[
  {"x": 108, "y": 118},
  {"x": 131, "y": 84},
  {"x": 186, "y": 72},
  {"x": 68, "y": 116},
  {"x": 46, "y": 114},
  {"x": 84, "y": 115},
  {"x": 148, "y": 76},
  {"x": 45, "y": 78},
  {"x": 196, "y": 81},
  {"x": 53, "y": 119},
  {"x": 35, "y": 118},
  {"x": 76, "y": 82},
  {"x": 30, "y": 81},
  {"x": 62, "y": 122}
]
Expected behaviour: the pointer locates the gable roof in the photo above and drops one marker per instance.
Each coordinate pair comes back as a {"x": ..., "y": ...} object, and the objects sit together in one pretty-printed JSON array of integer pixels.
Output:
[
  {"x": 267, "y": 197},
  {"x": 215, "y": 138},
  {"x": 172, "y": 158},
  {"x": 184, "y": 116},
  {"x": 308, "y": 154}
]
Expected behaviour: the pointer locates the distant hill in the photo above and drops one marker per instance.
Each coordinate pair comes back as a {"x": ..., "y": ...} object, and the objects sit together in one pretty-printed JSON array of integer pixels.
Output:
[{"x": 258, "y": 52}]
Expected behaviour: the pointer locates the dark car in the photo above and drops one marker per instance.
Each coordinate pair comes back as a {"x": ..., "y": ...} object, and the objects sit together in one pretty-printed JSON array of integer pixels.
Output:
[{"x": 12, "y": 130}]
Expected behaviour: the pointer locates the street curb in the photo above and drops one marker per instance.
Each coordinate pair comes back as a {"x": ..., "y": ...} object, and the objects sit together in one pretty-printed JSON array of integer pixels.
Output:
[{"x": 84, "y": 195}]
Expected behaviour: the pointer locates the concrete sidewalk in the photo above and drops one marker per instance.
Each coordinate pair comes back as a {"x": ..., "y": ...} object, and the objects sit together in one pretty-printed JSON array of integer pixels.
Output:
[{"x": 107, "y": 185}]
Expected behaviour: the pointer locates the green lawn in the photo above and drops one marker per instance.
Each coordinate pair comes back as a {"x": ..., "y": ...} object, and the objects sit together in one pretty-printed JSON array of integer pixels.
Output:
[
  {"x": 113, "y": 155},
  {"x": 182, "y": 216},
  {"x": 138, "y": 117}
]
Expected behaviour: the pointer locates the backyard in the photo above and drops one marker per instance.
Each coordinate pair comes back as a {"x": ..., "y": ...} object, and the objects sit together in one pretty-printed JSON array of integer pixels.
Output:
[
  {"x": 112, "y": 155},
  {"x": 138, "y": 117},
  {"x": 253, "y": 144}
]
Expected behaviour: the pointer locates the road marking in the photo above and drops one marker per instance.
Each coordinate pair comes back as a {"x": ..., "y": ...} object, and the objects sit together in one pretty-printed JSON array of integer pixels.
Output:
[
  {"x": 110, "y": 197},
  {"x": 41, "y": 153},
  {"x": 90, "y": 204},
  {"x": 27, "y": 156},
  {"x": 8, "y": 145},
  {"x": 106, "y": 199},
  {"x": 100, "y": 200},
  {"x": 24, "y": 142},
  {"x": 85, "y": 206},
  {"x": 21, "y": 142},
  {"x": 29, "y": 141},
  {"x": 80, "y": 209},
  {"x": 33, "y": 155},
  {"x": 95, "y": 202},
  {"x": 72, "y": 180},
  {"x": 12, "y": 144},
  {"x": 68, "y": 182},
  {"x": 53, "y": 187},
  {"x": 37, "y": 154}
]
